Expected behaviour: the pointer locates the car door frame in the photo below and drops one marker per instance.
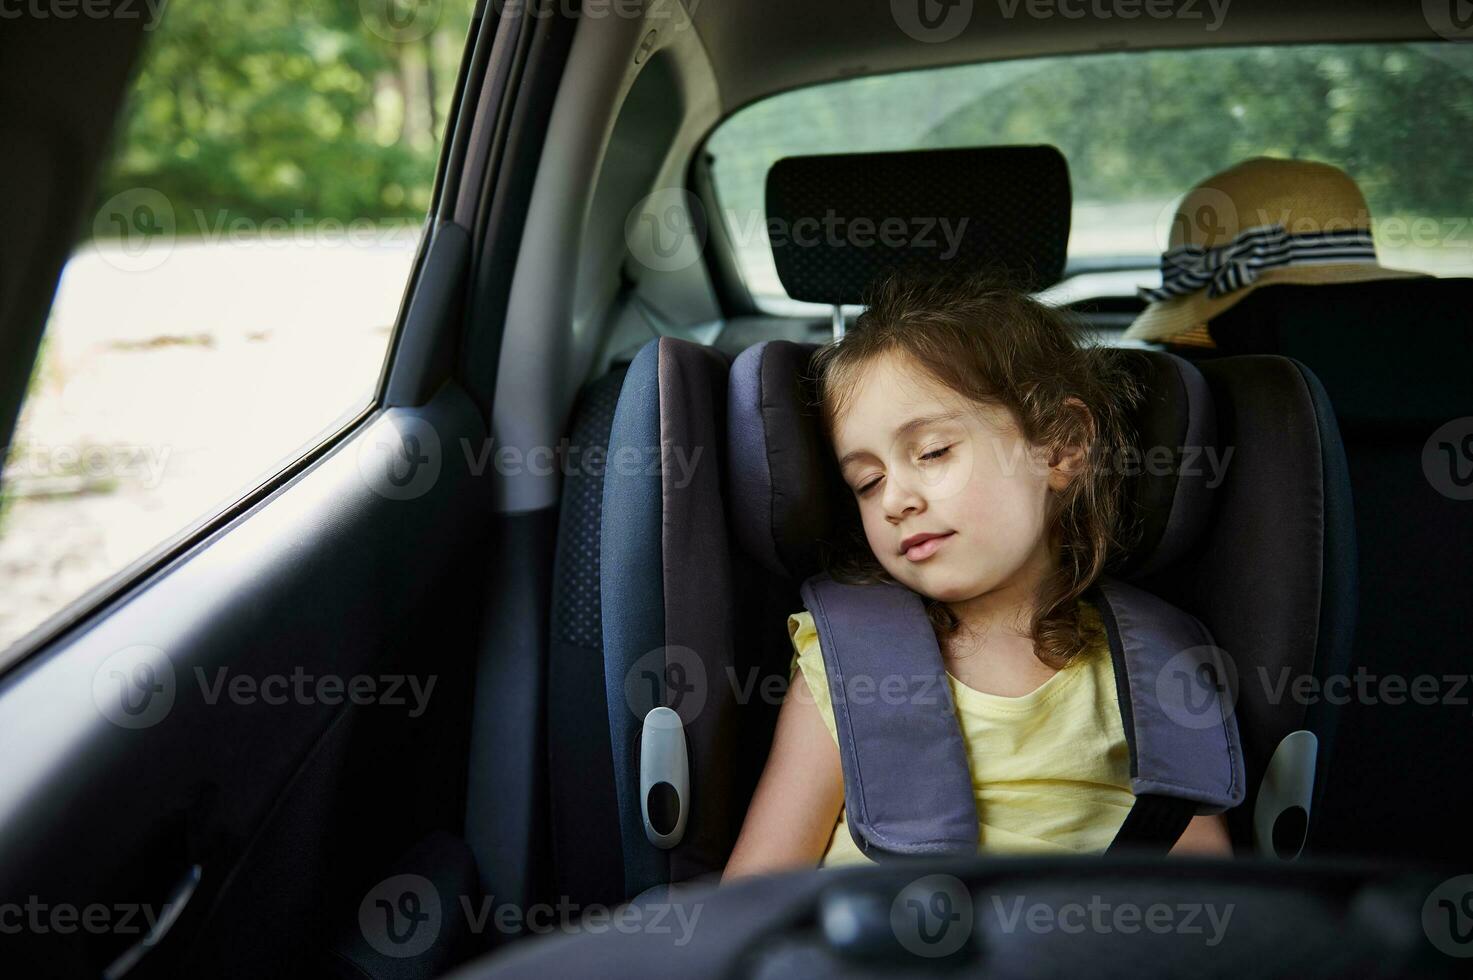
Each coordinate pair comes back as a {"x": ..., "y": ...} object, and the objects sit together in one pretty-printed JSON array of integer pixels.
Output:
[{"x": 346, "y": 562}]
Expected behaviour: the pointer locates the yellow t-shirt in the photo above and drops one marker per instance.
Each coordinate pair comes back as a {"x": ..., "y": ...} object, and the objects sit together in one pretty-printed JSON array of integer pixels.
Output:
[{"x": 1050, "y": 769}]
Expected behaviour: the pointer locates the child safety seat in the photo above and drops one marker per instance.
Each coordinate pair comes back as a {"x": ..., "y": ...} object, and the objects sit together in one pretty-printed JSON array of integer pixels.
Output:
[
  {"x": 1247, "y": 531},
  {"x": 1235, "y": 585}
]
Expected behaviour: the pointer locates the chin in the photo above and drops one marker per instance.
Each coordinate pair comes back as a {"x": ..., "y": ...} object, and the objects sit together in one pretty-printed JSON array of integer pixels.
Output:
[
  {"x": 940, "y": 586},
  {"x": 953, "y": 594}
]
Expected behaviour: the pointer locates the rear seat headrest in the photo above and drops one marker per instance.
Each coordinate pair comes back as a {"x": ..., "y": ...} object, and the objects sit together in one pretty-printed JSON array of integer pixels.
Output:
[
  {"x": 839, "y": 221},
  {"x": 789, "y": 498},
  {"x": 1392, "y": 353}
]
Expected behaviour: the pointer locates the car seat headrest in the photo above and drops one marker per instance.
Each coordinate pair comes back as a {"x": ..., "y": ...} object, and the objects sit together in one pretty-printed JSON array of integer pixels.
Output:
[
  {"x": 839, "y": 221},
  {"x": 790, "y": 503}
]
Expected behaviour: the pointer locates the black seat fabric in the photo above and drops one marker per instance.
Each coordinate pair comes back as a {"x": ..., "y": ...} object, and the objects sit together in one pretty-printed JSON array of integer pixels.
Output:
[
  {"x": 1261, "y": 550},
  {"x": 587, "y": 863},
  {"x": 1393, "y": 356}
]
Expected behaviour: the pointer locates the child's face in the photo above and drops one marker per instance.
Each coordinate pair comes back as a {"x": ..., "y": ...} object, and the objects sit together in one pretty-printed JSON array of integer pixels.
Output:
[{"x": 969, "y": 475}]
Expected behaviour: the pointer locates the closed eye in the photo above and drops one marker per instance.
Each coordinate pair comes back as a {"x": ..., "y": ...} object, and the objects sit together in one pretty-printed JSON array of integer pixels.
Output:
[{"x": 933, "y": 454}]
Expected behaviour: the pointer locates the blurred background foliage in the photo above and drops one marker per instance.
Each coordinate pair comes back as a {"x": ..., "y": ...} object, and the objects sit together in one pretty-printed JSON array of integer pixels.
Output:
[
  {"x": 342, "y": 113},
  {"x": 340, "y": 106},
  {"x": 1148, "y": 125},
  {"x": 1129, "y": 123}
]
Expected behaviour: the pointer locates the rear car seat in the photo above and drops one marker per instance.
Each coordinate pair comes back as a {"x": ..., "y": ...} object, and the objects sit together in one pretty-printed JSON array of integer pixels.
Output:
[{"x": 1393, "y": 356}]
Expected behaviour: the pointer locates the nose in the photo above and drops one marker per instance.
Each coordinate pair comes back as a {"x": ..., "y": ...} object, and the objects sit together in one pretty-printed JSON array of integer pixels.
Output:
[{"x": 900, "y": 498}]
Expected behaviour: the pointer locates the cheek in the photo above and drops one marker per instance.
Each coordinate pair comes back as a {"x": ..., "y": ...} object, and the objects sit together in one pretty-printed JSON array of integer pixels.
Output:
[
  {"x": 875, "y": 529},
  {"x": 1007, "y": 507}
]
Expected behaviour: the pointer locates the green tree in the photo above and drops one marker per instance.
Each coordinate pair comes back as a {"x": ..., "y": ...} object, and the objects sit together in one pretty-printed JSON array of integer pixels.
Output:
[{"x": 279, "y": 108}]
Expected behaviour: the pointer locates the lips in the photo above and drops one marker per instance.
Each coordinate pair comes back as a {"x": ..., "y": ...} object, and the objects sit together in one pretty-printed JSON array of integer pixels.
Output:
[{"x": 918, "y": 547}]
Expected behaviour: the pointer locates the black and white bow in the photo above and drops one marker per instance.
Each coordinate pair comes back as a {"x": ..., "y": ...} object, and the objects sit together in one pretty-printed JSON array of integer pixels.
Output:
[{"x": 1224, "y": 268}]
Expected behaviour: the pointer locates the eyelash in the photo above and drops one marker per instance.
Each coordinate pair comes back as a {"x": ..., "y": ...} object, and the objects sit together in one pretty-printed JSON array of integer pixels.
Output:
[{"x": 933, "y": 454}]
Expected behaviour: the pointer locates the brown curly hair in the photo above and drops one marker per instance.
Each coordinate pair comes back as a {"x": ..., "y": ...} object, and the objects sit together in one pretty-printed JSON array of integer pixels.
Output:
[{"x": 996, "y": 345}]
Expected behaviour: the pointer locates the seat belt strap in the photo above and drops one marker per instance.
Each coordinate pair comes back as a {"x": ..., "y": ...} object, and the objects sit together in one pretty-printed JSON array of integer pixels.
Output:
[{"x": 1154, "y": 824}]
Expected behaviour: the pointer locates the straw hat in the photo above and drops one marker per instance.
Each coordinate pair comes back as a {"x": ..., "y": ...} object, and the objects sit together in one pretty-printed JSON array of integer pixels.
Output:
[{"x": 1261, "y": 222}]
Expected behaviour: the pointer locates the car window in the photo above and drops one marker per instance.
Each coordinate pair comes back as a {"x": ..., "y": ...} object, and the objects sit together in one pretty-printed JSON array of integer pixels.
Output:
[
  {"x": 230, "y": 302},
  {"x": 1138, "y": 130}
]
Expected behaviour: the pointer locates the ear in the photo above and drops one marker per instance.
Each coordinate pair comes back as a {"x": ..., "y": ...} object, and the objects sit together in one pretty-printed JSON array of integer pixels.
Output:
[{"x": 1069, "y": 462}]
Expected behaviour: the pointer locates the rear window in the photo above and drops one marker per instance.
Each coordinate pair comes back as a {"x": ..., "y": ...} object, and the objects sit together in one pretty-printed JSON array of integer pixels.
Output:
[{"x": 1138, "y": 130}]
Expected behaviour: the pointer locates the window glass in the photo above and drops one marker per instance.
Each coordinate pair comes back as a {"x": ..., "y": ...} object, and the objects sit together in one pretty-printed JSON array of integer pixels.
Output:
[
  {"x": 1139, "y": 129},
  {"x": 232, "y": 298}
]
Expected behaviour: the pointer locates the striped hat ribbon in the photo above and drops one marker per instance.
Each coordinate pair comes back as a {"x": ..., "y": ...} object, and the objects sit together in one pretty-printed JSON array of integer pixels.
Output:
[{"x": 1225, "y": 268}]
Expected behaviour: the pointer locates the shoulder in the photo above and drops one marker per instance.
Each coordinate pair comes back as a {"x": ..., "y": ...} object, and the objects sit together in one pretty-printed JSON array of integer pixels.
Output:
[
  {"x": 806, "y": 650},
  {"x": 800, "y": 624},
  {"x": 808, "y": 660}
]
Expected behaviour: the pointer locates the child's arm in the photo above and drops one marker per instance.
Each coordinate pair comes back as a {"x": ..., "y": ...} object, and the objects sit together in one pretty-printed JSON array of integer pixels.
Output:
[
  {"x": 1205, "y": 836},
  {"x": 799, "y": 796}
]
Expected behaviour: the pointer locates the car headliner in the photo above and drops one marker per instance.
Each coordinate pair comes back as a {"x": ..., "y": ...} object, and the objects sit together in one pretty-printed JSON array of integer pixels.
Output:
[{"x": 761, "y": 47}]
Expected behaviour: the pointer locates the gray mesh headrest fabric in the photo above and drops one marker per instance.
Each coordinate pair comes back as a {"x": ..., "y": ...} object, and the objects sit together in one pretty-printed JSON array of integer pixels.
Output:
[
  {"x": 790, "y": 503},
  {"x": 839, "y": 221}
]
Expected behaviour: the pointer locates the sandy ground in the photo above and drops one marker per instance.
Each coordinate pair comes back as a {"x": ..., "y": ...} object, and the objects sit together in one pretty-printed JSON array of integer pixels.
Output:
[{"x": 171, "y": 385}]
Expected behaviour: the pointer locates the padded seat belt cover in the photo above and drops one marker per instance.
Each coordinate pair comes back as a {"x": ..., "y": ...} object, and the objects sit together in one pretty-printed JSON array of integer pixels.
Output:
[
  {"x": 896, "y": 724},
  {"x": 1177, "y": 692},
  {"x": 907, "y": 781}
]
